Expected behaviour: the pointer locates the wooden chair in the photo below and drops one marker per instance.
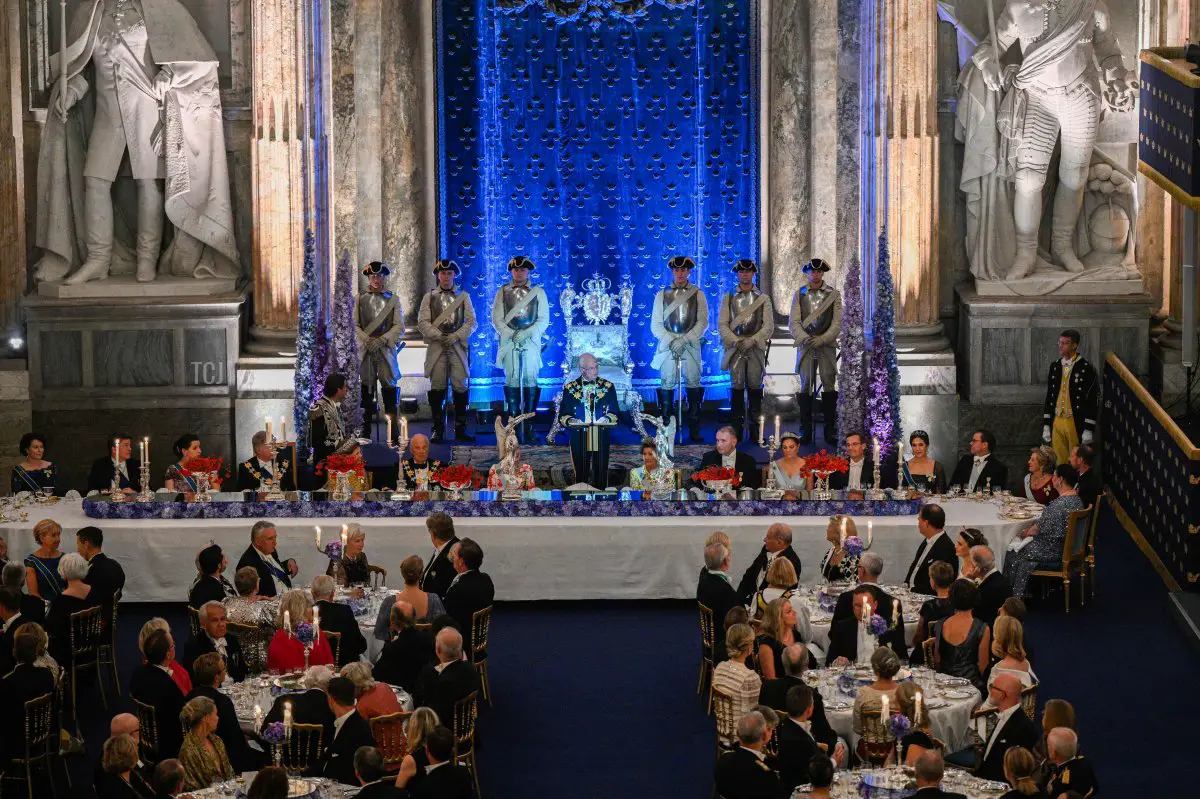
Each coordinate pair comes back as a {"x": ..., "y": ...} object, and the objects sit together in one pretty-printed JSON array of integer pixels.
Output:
[
  {"x": 929, "y": 650},
  {"x": 973, "y": 727},
  {"x": 466, "y": 710},
  {"x": 707, "y": 646},
  {"x": 41, "y": 746},
  {"x": 299, "y": 752},
  {"x": 1029, "y": 701},
  {"x": 1091, "y": 543},
  {"x": 108, "y": 650},
  {"x": 194, "y": 622},
  {"x": 1074, "y": 557},
  {"x": 148, "y": 739},
  {"x": 87, "y": 637},
  {"x": 877, "y": 743},
  {"x": 388, "y": 732},
  {"x": 335, "y": 646},
  {"x": 481, "y": 624},
  {"x": 722, "y": 706},
  {"x": 254, "y": 645}
]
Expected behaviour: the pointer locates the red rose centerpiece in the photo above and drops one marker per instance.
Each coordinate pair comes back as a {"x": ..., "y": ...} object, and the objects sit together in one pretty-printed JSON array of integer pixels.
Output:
[
  {"x": 821, "y": 465},
  {"x": 718, "y": 479},
  {"x": 456, "y": 478},
  {"x": 207, "y": 473}
]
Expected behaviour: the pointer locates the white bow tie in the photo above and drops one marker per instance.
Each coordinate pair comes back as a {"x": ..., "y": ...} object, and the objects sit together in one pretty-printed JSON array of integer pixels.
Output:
[{"x": 979, "y": 461}]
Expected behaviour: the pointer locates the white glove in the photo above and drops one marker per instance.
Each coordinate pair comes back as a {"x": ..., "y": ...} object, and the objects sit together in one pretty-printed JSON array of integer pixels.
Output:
[
  {"x": 1086, "y": 438},
  {"x": 1046, "y": 434}
]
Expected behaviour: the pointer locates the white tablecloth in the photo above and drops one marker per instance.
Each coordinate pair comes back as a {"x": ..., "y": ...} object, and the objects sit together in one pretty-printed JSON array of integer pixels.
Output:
[
  {"x": 950, "y": 721},
  {"x": 527, "y": 558}
]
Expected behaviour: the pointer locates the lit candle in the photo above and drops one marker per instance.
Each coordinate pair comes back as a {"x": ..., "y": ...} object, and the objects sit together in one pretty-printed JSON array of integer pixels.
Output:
[
  {"x": 776, "y": 427},
  {"x": 866, "y": 615},
  {"x": 318, "y": 529},
  {"x": 287, "y": 621},
  {"x": 403, "y": 427},
  {"x": 316, "y": 622},
  {"x": 875, "y": 441},
  {"x": 900, "y": 449},
  {"x": 269, "y": 430},
  {"x": 761, "y": 428},
  {"x": 917, "y": 709},
  {"x": 884, "y": 716},
  {"x": 389, "y": 429},
  {"x": 283, "y": 425},
  {"x": 258, "y": 717},
  {"x": 343, "y": 537},
  {"x": 870, "y": 531},
  {"x": 116, "y": 448},
  {"x": 287, "y": 719},
  {"x": 896, "y": 613},
  {"x": 146, "y": 444},
  {"x": 843, "y": 542}
]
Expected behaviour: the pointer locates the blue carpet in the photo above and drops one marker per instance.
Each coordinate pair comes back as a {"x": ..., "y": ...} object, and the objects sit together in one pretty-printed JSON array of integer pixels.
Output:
[{"x": 598, "y": 699}]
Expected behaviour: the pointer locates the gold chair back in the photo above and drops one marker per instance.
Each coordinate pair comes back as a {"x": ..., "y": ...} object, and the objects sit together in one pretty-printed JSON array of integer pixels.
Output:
[
  {"x": 481, "y": 624},
  {"x": 1029, "y": 701},
  {"x": 978, "y": 720},
  {"x": 723, "y": 711},
  {"x": 877, "y": 742},
  {"x": 253, "y": 640},
  {"x": 708, "y": 644},
  {"x": 1074, "y": 556},
  {"x": 466, "y": 710},
  {"x": 148, "y": 720},
  {"x": 335, "y": 646},
  {"x": 302, "y": 749},
  {"x": 87, "y": 628},
  {"x": 929, "y": 650},
  {"x": 41, "y": 733},
  {"x": 388, "y": 732}
]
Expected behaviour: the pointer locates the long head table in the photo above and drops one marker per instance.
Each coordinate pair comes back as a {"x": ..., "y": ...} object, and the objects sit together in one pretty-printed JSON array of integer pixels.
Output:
[{"x": 530, "y": 557}]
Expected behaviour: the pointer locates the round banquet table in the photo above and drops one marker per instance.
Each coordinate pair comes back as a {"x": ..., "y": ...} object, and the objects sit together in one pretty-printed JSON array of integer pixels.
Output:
[
  {"x": 254, "y": 691},
  {"x": 949, "y": 706},
  {"x": 528, "y": 558},
  {"x": 821, "y": 619},
  {"x": 850, "y": 784}
]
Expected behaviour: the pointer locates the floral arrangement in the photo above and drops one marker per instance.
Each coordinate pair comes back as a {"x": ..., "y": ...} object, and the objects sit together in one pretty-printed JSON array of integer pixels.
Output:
[
  {"x": 853, "y": 546},
  {"x": 358, "y": 606},
  {"x": 312, "y": 346},
  {"x": 883, "y": 377},
  {"x": 274, "y": 733},
  {"x": 717, "y": 474},
  {"x": 305, "y": 633},
  {"x": 899, "y": 725},
  {"x": 460, "y": 474},
  {"x": 333, "y": 550},
  {"x": 346, "y": 359},
  {"x": 852, "y": 344},
  {"x": 825, "y": 463},
  {"x": 340, "y": 462},
  {"x": 878, "y": 625}
]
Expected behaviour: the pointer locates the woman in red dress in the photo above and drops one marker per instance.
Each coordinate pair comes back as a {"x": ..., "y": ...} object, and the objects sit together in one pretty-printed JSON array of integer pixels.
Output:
[
  {"x": 285, "y": 653},
  {"x": 1039, "y": 485}
]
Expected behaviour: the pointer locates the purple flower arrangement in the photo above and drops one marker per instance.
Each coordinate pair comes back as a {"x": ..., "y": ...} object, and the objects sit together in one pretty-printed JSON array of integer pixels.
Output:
[
  {"x": 878, "y": 625},
  {"x": 305, "y": 633},
  {"x": 333, "y": 550},
  {"x": 853, "y": 546},
  {"x": 899, "y": 725},
  {"x": 273, "y": 733}
]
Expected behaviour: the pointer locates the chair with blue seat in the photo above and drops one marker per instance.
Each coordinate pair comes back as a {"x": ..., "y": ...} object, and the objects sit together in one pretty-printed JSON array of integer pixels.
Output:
[{"x": 1074, "y": 556}]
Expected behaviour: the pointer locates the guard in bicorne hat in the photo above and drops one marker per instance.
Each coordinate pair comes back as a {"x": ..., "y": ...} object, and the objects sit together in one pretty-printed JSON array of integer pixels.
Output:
[{"x": 446, "y": 320}]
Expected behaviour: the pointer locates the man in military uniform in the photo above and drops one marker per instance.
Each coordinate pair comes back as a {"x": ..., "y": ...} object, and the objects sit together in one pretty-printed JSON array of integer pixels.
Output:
[
  {"x": 446, "y": 320},
  {"x": 520, "y": 315},
  {"x": 816, "y": 323},
  {"x": 1072, "y": 399},
  {"x": 326, "y": 432},
  {"x": 743, "y": 772},
  {"x": 420, "y": 467},
  {"x": 378, "y": 326},
  {"x": 678, "y": 321},
  {"x": 589, "y": 397},
  {"x": 745, "y": 322}
]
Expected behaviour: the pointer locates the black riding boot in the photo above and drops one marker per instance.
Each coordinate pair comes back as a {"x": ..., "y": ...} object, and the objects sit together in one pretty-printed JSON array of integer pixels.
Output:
[
  {"x": 666, "y": 404},
  {"x": 461, "y": 411},
  {"x": 437, "y": 401},
  {"x": 756, "y": 396},
  {"x": 533, "y": 396},
  {"x": 512, "y": 407},
  {"x": 368, "y": 405},
  {"x": 737, "y": 411},
  {"x": 390, "y": 394},
  {"x": 695, "y": 398},
  {"x": 805, "y": 402},
  {"x": 829, "y": 408}
]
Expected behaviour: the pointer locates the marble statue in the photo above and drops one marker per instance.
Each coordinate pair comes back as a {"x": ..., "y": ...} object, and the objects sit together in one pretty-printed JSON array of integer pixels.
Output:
[
  {"x": 1010, "y": 119},
  {"x": 138, "y": 98}
]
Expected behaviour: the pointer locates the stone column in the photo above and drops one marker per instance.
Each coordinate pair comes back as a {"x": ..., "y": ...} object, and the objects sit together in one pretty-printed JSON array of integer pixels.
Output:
[
  {"x": 908, "y": 149},
  {"x": 277, "y": 149},
  {"x": 408, "y": 125},
  {"x": 344, "y": 62},
  {"x": 789, "y": 145},
  {"x": 12, "y": 174}
]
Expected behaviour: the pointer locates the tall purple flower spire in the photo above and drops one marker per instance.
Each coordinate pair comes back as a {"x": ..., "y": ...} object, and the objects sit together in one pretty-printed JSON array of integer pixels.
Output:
[
  {"x": 346, "y": 360},
  {"x": 852, "y": 378},
  {"x": 883, "y": 382}
]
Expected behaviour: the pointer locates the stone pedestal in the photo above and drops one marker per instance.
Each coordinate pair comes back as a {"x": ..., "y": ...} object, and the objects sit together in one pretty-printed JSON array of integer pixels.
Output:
[
  {"x": 1005, "y": 345},
  {"x": 99, "y": 366}
]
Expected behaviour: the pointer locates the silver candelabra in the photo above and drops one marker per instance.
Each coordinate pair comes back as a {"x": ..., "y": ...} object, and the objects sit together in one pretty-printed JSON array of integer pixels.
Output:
[{"x": 402, "y": 493}]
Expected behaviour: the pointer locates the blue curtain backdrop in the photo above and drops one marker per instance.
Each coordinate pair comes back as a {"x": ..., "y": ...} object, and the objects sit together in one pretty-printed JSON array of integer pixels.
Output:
[{"x": 598, "y": 144}]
